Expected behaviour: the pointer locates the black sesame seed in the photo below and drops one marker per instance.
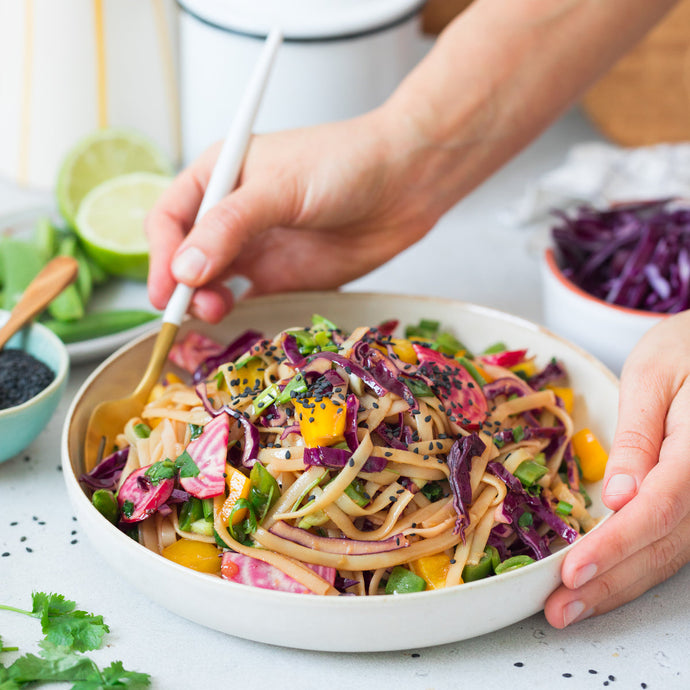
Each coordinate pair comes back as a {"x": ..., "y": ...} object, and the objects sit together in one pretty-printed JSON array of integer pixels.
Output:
[
  {"x": 29, "y": 549},
  {"x": 288, "y": 454},
  {"x": 415, "y": 656},
  {"x": 5, "y": 554},
  {"x": 519, "y": 664},
  {"x": 567, "y": 675}
]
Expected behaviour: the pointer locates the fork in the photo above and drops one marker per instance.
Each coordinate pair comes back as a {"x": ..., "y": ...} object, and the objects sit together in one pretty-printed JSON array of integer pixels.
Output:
[{"x": 108, "y": 418}]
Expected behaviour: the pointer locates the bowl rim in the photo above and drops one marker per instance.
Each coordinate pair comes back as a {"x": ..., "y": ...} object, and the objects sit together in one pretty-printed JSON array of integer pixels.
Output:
[
  {"x": 553, "y": 268},
  {"x": 72, "y": 479},
  {"x": 60, "y": 374}
]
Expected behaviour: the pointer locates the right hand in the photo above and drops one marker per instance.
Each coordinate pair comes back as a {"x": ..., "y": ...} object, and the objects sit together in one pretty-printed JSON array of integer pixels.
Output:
[{"x": 314, "y": 209}]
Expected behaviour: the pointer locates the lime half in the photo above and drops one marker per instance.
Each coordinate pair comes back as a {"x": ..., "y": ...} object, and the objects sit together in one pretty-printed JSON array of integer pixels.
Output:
[
  {"x": 101, "y": 156},
  {"x": 110, "y": 222}
]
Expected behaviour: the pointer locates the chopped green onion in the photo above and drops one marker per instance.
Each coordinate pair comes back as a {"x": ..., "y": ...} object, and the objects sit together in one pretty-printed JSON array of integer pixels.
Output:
[
  {"x": 472, "y": 370},
  {"x": 529, "y": 472},
  {"x": 355, "y": 491},
  {"x": 564, "y": 508},
  {"x": 318, "y": 321},
  {"x": 190, "y": 512},
  {"x": 485, "y": 567},
  {"x": 203, "y": 526},
  {"x": 448, "y": 344},
  {"x": 540, "y": 459},
  {"x": 296, "y": 385},
  {"x": 418, "y": 388},
  {"x": 496, "y": 347},
  {"x": 518, "y": 434},
  {"x": 266, "y": 398},
  {"x": 245, "y": 360}
]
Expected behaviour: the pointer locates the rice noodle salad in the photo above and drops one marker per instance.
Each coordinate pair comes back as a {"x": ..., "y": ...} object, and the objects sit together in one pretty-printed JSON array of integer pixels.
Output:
[{"x": 328, "y": 462}]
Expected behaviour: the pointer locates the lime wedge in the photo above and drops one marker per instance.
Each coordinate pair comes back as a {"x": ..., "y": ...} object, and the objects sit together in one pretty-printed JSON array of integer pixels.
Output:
[
  {"x": 110, "y": 222},
  {"x": 101, "y": 156}
]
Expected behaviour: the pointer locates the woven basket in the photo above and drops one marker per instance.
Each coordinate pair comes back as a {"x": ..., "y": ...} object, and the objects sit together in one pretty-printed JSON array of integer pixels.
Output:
[{"x": 645, "y": 98}]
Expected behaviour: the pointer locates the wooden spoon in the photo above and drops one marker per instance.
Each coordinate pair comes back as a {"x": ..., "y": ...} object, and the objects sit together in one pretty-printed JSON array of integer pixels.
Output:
[{"x": 51, "y": 280}]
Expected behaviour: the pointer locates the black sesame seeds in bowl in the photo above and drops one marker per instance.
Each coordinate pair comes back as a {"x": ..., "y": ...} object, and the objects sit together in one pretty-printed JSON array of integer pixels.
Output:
[{"x": 33, "y": 373}]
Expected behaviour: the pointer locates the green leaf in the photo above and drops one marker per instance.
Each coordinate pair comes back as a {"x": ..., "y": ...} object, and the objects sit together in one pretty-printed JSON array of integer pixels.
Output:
[
  {"x": 195, "y": 431},
  {"x": 163, "y": 469},
  {"x": 66, "y": 626},
  {"x": 55, "y": 664},
  {"x": 114, "y": 676},
  {"x": 186, "y": 465}
]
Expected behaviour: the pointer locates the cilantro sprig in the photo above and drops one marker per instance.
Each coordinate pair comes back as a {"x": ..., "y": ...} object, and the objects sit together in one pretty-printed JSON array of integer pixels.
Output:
[{"x": 68, "y": 632}]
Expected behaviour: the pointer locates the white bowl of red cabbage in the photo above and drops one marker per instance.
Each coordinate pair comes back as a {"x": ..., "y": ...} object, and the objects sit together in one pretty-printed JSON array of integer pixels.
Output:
[
  {"x": 33, "y": 373},
  {"x": 245, "y": 598},
  {"x": 614, "y": 273}
]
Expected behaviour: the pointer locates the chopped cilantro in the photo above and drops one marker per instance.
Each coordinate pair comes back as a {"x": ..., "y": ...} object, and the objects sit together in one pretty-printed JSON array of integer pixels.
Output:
[
  {"x": 127, "y": 509},
  {"x": 163, "y": 469},
  {"x": 433, "y": 491},
  {"x": 195, "y": 431},
  {"x": 186, "y": 465}
]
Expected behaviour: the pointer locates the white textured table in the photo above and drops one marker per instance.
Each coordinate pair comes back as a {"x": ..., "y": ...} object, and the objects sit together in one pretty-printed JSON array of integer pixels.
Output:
[{"x": 643, "y": 644}]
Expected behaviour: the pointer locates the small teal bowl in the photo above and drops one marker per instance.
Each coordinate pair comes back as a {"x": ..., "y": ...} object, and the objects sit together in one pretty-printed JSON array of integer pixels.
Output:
[{"x": 21, "y": 424}]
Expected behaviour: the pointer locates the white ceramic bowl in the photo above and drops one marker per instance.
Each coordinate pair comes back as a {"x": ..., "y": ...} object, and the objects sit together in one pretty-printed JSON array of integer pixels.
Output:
[
  {"x": 349, "y": 624},
  {"x": 21, "y": 424},
  {"x": 606, "y": 330}
]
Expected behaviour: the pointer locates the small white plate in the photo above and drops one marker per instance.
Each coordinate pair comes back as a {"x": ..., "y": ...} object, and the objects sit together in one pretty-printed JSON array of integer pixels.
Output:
[
  {"x": 342, "y": 624},
  {"x": 115, "y": 294}
]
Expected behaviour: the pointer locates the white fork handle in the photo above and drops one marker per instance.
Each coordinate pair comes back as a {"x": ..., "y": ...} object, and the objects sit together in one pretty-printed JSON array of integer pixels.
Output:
[{"x": 227, "y": 167}]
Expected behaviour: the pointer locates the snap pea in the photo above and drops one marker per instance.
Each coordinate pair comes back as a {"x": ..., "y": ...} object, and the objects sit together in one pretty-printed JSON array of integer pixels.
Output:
[
  {"x": 513, "y": 564},
  {"x": 404, "y": 581},
  {"x": 68, "y": 305},
  {"x": 45, "y": 238},
  {"x": 105, "y": 503},
  {"x": 488, "y": 562},
  {"x": 98, "y": 324},
  {"x": 20, "y": 265}
]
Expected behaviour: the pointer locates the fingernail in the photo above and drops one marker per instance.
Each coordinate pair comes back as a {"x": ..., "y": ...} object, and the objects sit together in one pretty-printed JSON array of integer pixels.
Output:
[
  {"x": 575, "y": 611},
  {"x": 620, "y": 485},
  {"x": 189, "y": 264},
  {"x": 584, "y": 575}
]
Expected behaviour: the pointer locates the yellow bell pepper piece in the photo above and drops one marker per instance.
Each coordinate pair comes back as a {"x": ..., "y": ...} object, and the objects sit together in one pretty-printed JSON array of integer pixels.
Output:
[
  {"x": 321, "y": 423},
  {"x": 253, "y": 374},
  {"x": 432, "y": 569},
  {"x": 239, "y": 486},
  {"x": 591, "y": 454},
  {"x": 197, "y": 555},
  {"x": 403, "y": 348},
  {"x": 528, "y": 368},
  {"x": 566, "y": 395}
]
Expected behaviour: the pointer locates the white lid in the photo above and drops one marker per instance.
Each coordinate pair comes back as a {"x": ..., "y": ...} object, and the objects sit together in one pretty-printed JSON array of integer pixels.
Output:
[{"x": 302, "y": 19}]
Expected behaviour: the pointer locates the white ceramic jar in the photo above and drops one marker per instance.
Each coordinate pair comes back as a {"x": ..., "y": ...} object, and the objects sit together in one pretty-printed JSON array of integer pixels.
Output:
[
  {"x": 70, "y": 67},
  {"x": 340, "y": 58}
]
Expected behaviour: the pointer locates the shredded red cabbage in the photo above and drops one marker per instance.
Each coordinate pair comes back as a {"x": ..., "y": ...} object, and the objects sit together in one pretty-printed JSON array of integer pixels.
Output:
[
  {"x": 633, "y": 255},
  {"x": 515, "y": 503},
  {"x": 236, "y": 348},
  {"x": 459, "y": 463},
  {"x": 107, "y": 473},
  {"x": 325, "y": 456}
]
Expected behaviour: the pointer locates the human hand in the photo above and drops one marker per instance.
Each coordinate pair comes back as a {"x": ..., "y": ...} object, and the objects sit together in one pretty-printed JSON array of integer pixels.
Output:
[
  {"x": 314, "y": 208},
  {"x": 647, "y": 482}
]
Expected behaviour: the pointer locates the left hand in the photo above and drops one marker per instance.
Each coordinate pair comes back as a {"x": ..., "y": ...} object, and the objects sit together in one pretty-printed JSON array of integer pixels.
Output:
[{"x": 647, "y": 482}]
